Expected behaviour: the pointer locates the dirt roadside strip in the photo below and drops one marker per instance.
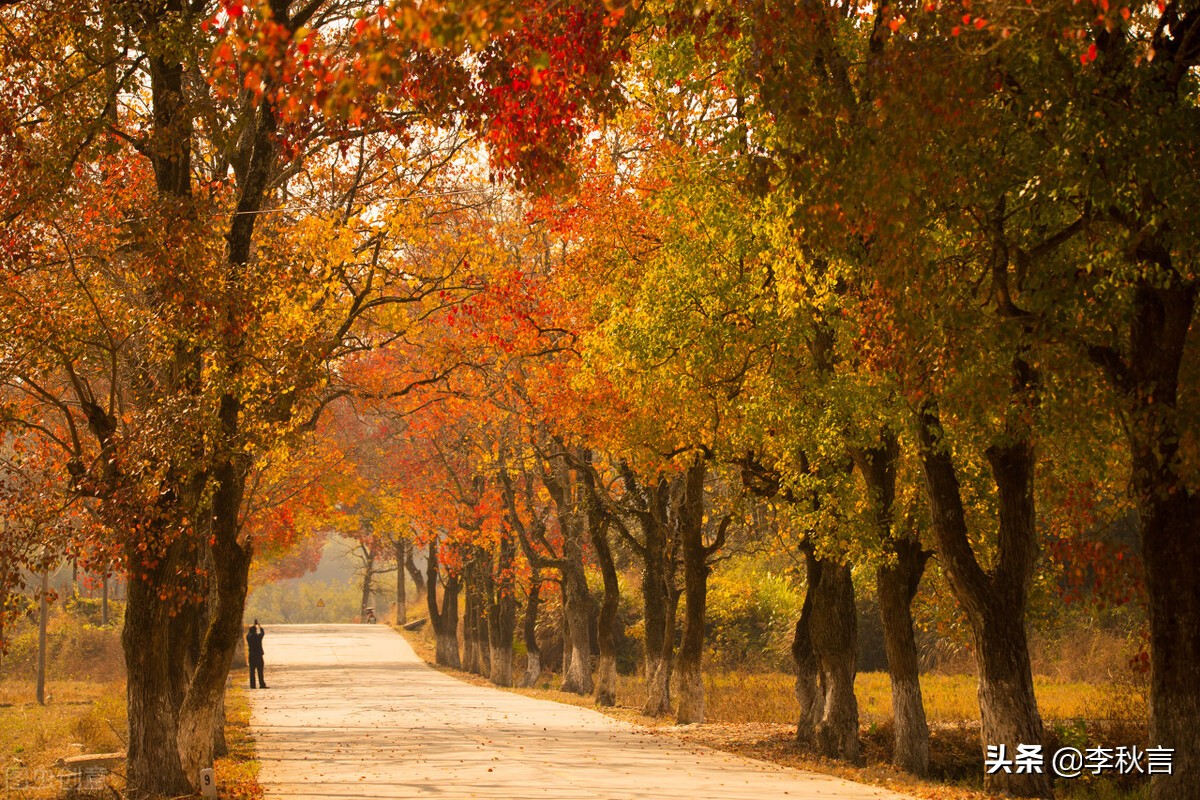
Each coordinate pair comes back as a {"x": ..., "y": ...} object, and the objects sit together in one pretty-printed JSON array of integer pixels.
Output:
[{"x": 352, "y": 712}]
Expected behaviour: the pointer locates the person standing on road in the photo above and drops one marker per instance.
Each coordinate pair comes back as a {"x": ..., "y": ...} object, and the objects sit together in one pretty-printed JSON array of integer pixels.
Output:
[{"x": 254, "y": 650}]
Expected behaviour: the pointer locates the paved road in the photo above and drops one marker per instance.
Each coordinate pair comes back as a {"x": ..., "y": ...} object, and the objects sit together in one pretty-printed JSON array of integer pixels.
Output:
[{"x": 352, "y": 712}]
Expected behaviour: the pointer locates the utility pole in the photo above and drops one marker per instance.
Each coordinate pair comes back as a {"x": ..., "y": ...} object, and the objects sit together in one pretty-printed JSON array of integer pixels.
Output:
[
  {"x": 45, "y": 615},
  {"x": 104, "y": 601}
]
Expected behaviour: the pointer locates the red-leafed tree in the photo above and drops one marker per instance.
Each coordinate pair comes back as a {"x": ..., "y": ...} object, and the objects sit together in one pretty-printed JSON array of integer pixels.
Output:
[{"x": 170, "y": 318}]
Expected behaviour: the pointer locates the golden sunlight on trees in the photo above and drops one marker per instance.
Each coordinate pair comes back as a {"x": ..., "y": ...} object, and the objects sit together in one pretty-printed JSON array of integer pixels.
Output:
[{"x": 559, "y": 309}]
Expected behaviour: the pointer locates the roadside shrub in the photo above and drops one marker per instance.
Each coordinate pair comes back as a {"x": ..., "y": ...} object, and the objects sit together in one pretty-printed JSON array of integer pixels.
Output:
[{"x": 751, "y": 615}]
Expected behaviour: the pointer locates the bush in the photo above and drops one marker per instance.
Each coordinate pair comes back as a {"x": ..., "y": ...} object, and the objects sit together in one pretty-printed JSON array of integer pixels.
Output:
[
  {"x": 751, "y": 616},
  {"x": 75, "y": 650}
]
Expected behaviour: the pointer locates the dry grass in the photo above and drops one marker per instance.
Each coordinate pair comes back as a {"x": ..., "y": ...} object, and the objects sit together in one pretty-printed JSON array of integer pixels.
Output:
[
  {"x": 237, "y": 773},
  {"x": 752, "y": 714},
  {"x": 741, "y": 697},
  {"x": 78, "y": 718},
  {"x": 86, "y": 713}
]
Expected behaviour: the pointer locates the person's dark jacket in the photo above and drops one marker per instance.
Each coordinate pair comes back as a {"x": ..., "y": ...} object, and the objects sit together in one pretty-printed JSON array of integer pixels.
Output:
[{"x": 254, "y": 646}]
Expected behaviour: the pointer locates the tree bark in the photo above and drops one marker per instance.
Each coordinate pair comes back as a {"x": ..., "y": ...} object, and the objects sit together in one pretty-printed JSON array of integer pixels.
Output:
[
  {"x": 995, "y": 602},
  {"x": 533, "y": 662},
  {"x": 368, "y": 576},
  {"x": 564, "y": 489},
  {"x": 220, "y": 747},
  {"x": 401, "y": 589},
  {"x": 695, "y": 582},
  {"x": 897, "y": 586},
  {"x": 598, "y": 522},
  {"x": 606, "y": 671},
  {"x": 833, "y": 627},
  {"x": 897, "y": 581},
  {"x": 476, "y": 635},
  {"x": 445, "y": 621},
  {"x": 414, "y": 572},
  {"x": 1147, "y": 381},
  {"x": 472, "y": 661},
  {"x": 223, "y": 627},
  {"x": 810, "y": 691},
  {"x": 660, "y": 596},
  {"x": 502, "y": 611},
  {"x": 577, "y": 638},
  {"x": 153, "y": 762},
  {"x": 658, "y": 687}
]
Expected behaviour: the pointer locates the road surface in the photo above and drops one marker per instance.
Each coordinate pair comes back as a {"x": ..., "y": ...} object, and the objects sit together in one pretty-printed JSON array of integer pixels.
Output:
[{"x": 352, "y": 712}]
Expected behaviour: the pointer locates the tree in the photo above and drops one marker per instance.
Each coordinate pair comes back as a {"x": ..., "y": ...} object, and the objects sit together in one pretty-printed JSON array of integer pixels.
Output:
[{"x": 163, "y": 424}]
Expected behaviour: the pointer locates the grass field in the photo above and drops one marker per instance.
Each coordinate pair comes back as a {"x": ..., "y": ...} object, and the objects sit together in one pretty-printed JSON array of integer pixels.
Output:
[
  {"x": 79, "y": 717},
  {"x": 85, "y": 713}
]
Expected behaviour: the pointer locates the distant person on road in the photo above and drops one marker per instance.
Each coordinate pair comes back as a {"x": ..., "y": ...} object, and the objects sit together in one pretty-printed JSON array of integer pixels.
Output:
[{"x": 254, "y": 650}]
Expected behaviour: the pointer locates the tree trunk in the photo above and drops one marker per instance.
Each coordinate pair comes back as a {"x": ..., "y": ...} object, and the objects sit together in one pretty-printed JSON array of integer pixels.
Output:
[
  {"x": 475, "y": 625},
  {"x": 220, "y": 745},
  {"x": 533, "y": 663},
  {"x": 154, "y": 766},
  {"x": 577, "y": 638},
  {"x": 475, "y": 631},
  {"x": 223, "y": 627},
  {"x": 1168, "y": 502},
  {"x": 368, "y": 575},
  {"x": 833, "y": 627},
  {"x": 470, "y": 652},
  {"x": 418, "y": 579},
  {"x": 1171, "y": 547},
  {"x": 897, "y": 585},
  {"x": 445, "y": 621},
  {"x": 658, "y": 686},
  {"x": 897, "y": 580},
  {"x": 502, "y": 611},
  {"x": 695, "y": 583},
  {"x": 606, "y": 626},
  {"x": 606, "y": 671},
  {"x": 660, "y": 597},
  {"x": 401, "y": 589},
  {"x": 565, "y": 489},
  {"x": 810, "y": 688},
  {"x": 995, "y": 602}
]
